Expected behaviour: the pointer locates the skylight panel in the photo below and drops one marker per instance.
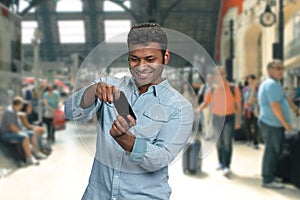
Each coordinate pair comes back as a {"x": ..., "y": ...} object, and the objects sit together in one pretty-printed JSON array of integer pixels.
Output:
[
  {"x": 69, "y": 6},
  {"x": 113, "y": 29},
  {"x": 109, "y": 6},
  {"x": 28, "y": 28},
  {"x": 71, "y": 31},
  {"x": 24, "y": 4}
]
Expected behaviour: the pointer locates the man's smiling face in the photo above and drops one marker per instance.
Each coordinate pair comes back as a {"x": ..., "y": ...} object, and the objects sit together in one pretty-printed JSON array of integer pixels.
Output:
[{"x": 146, "y": 63}]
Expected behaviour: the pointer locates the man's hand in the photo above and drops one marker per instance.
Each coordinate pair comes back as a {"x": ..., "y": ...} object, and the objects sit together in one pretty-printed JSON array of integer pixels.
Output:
[
  {"x": 120, "y": 126},
  {"x": 106, "y": 92},
  {"x": 287, "y": 127},
  {"x": 120, "y": 132},
  {"x": 237, "y": 125}
]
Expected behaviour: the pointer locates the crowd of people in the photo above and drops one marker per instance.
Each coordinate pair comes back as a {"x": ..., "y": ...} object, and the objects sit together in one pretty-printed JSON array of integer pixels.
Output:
[
  {"x": 260, "y": 109},
  {"x": 19, "y": 124}
]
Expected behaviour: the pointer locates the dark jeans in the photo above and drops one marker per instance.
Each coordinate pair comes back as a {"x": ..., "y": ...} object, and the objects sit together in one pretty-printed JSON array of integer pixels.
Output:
[
  {"x": 273, "y": 140},
  {"x": 225, "y": 141},
  {"x": 251, "y": 128},
  {"x": 50, "y": 128}
]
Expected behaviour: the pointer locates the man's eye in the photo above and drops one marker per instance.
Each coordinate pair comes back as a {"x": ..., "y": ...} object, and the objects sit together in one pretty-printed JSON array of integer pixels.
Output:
[
  {"x": 150, "y": 59},
  {"x": 133, "y": 59}
]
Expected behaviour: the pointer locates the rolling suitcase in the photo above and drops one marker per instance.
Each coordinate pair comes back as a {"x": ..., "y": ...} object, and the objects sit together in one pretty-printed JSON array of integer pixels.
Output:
[
  {"x": 191, "y": 161},
  {"x": 295, "y": 157}
]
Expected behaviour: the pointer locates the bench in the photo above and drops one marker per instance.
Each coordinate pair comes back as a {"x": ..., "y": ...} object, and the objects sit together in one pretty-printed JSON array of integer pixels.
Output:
[{"x": 11, "y": 156}]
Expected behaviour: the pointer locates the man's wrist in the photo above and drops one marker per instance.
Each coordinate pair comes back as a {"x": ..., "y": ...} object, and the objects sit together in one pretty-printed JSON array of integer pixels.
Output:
[{"x": 119, "y": 136}]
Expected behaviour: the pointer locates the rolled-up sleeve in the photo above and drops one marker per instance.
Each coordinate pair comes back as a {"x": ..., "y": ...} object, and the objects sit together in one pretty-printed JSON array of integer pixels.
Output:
[{"x": 73, "y": 111}]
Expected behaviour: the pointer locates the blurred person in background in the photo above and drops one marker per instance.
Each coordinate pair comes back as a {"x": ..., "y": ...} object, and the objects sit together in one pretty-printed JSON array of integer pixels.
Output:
[
  {"x": 11, "y": 132},
  {"x": 225, "y": 107},
  {"x": 52, "y": 101},
  {"x": 274, "y": 120},
  {"x": 251, "y": 110},
  {"x": 205, "y": 115},
  {"x": 38, "y": 130}
]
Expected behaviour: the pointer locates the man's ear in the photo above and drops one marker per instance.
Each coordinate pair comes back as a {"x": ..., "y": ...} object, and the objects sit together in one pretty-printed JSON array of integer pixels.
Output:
[{"x": 167, "y": 56}]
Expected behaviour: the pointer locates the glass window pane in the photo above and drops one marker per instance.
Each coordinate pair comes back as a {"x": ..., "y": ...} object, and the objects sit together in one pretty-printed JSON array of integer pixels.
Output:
[
  {"x": 116, "y": 27},
  {"x": 110, "y": 6},
  {"x": 25, "y": 4},
  {"x": 71, "y": 31},
  {"x": 69, "y": 6},
  {"x": 28, "y": 28}
]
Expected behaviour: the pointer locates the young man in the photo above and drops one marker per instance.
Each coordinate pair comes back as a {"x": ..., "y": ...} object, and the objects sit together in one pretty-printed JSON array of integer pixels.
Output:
[
  {"x": 226, "y": 115},
  {"x": 274, "y": 119},
  {"x": 131, "y": 160}
]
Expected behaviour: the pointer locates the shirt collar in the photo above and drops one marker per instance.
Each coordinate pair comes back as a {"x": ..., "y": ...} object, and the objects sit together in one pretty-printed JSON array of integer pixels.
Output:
[{"x": 157, "y": 90}]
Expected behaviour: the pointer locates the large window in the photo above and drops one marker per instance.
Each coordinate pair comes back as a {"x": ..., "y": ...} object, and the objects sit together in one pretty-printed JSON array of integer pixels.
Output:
[
  {"x": 109, "y": 6},
  {"x": 23, "y": 4},
  {"x": 69, "y": 6},
  {"x": 296, "y": 25},
  {"x": 28, "y": 28},
  {"x": 116, "y": 28},
  {"x": 71, "y": 31}
]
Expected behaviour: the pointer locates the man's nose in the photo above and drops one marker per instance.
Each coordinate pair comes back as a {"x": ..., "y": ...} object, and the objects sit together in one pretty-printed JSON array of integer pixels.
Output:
[{"x": 143, "y": 62}]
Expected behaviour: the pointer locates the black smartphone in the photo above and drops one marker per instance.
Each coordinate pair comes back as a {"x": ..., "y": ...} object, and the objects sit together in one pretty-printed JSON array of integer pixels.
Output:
[{"x": 123, "y": 107}]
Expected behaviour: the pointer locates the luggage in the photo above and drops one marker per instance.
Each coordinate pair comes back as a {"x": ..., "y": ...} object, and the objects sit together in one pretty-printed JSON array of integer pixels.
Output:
[
  {"x": 289, "y": 162},
  {"x": 295, "y": 159},
  {"x": 240, "y": 134},
  {"x": 59, "y": 120},
  {"x": 284, "y": 166},
  {"x": 191, "y": 161}
]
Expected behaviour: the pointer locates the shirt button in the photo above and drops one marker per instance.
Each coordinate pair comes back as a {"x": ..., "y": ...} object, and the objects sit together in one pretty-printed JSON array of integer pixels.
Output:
[
  {"x": 116, "y": 177},
  {"x": 114, "y": 198}
]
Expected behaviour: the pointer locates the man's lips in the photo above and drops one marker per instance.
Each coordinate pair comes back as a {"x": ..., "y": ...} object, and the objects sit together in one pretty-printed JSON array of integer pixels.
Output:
[{"x": 143, "y": 74}]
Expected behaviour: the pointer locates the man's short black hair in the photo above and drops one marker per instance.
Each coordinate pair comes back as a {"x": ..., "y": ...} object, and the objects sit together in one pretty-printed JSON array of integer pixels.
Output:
[{"x": 146, "y": 33}]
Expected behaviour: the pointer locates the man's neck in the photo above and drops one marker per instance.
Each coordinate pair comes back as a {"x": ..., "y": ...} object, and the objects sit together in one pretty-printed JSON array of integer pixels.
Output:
[{"x": 143, "y": 88}]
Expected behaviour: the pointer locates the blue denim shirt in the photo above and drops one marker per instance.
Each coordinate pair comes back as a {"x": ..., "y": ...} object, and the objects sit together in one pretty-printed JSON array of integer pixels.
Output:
[{"x": 164, "y": 124}]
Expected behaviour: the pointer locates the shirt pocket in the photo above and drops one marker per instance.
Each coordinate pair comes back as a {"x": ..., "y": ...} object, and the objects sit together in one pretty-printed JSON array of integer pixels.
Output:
[{"x": 152, "y": 121}]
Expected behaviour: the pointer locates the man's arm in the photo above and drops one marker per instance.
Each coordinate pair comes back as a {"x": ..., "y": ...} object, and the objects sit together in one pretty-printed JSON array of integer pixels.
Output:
[
  {"x": 277, "y": 110},
  {"x": 88, "y": 98},
  {"x": 238, "y": 107},
  {"x": 13, "y": 128},
  {"x": 205, "y": 103},
  {"x": 238, "y": 114}
]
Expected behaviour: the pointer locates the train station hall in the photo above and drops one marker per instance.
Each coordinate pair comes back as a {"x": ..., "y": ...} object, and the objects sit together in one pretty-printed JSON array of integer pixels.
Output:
[{"x": 149, "y": 99}]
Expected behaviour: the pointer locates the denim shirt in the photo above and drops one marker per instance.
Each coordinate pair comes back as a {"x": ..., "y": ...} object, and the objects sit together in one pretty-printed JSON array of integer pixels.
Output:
[{"x": 164, "y": 124}]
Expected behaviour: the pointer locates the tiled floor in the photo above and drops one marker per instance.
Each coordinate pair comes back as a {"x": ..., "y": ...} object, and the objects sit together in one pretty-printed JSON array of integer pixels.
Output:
[{"x": 64, "y": 175}]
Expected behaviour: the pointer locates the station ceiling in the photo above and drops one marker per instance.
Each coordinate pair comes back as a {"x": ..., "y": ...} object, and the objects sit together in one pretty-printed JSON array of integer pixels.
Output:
[{"x": 197, "y": 19}]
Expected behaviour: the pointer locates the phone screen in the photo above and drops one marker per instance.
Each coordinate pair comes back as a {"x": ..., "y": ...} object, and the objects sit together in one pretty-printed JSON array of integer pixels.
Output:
[{"x": 123, "y": 107}]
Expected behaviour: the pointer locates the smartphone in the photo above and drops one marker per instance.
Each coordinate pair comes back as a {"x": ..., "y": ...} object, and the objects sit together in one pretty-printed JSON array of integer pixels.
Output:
[{"x": 123, "y": 107}]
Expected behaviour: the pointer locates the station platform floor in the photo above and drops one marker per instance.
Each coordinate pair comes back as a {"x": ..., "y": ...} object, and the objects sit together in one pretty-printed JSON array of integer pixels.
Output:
[{"x": 64, "y": 174}]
